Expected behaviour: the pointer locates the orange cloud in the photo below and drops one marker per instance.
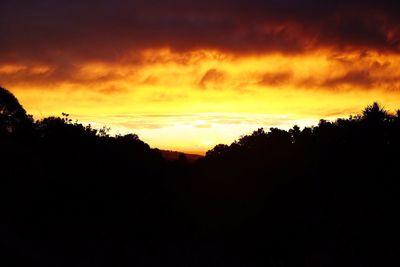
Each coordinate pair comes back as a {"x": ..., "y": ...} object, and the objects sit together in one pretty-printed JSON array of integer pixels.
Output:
[{"x": 243, "y": 92}]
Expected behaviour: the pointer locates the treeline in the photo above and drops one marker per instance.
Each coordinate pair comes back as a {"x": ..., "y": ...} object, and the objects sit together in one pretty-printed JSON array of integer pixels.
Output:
[{"x": 72, "y": 195}]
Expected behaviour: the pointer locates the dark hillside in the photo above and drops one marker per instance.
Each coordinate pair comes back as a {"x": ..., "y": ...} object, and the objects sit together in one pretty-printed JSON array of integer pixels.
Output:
[{"x": 71, "y": 195}]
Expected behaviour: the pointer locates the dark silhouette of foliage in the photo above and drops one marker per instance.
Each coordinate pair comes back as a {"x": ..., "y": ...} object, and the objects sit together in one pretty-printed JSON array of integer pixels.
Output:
[
  {"x": 13, "y": 117},
  {"x": 10, "y": 106},
  {"x": 375, "y": 113},
  {"x": 326, "y": 195}
]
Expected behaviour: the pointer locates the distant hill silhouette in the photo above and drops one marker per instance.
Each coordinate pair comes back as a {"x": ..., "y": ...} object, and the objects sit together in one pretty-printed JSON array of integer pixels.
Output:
[
  {"x": 327, "y": 195},
  {"x": 175, "y": 155}
]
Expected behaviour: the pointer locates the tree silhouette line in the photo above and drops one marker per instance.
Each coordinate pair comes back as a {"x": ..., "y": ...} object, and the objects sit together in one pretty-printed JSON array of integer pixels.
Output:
[{"x": 72, "y": 195}]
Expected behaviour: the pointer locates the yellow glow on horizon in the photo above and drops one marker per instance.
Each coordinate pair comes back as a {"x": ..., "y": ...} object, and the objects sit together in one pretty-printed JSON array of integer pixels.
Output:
[{"x": 194, "y": 100}]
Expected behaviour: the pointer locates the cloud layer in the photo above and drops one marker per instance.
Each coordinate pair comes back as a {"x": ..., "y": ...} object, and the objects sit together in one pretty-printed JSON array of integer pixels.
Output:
[{"x": 60, "y": 31}]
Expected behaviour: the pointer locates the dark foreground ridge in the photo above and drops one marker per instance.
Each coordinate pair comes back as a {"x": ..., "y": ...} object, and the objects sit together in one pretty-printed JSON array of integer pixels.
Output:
[{"x": 322, "y": 196}]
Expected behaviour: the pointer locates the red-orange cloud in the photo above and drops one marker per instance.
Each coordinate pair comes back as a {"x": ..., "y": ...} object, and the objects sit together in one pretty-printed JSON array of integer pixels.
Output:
[{"x": 68, "y": 31}]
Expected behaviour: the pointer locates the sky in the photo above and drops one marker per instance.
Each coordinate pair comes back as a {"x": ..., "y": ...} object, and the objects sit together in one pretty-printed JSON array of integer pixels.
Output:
[{"x": 187, "y": 75}]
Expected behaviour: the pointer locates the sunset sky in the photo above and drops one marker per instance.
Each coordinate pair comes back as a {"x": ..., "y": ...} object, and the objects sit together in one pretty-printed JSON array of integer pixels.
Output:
[{"x": 187, "y": 75}]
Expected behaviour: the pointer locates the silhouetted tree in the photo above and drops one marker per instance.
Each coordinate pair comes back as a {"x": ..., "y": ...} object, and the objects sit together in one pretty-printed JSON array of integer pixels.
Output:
[
  {"x": 12, "y": 115},
  {"x": 375, "y": 113}
]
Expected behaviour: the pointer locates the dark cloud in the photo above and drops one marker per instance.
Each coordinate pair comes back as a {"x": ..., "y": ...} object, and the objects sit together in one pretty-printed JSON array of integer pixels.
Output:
[
  {"x": 70, "y": 30},
  {"x": 353, "y": 78},
  {"x": 58, "y": 73},
  {"x": 274, "y": 79},
  {"x": 111, "y": 90},
  {"x": 365, "y": 79},
  {"x": 338, "y": 112},
  {"x": 212, "y": 76}
]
